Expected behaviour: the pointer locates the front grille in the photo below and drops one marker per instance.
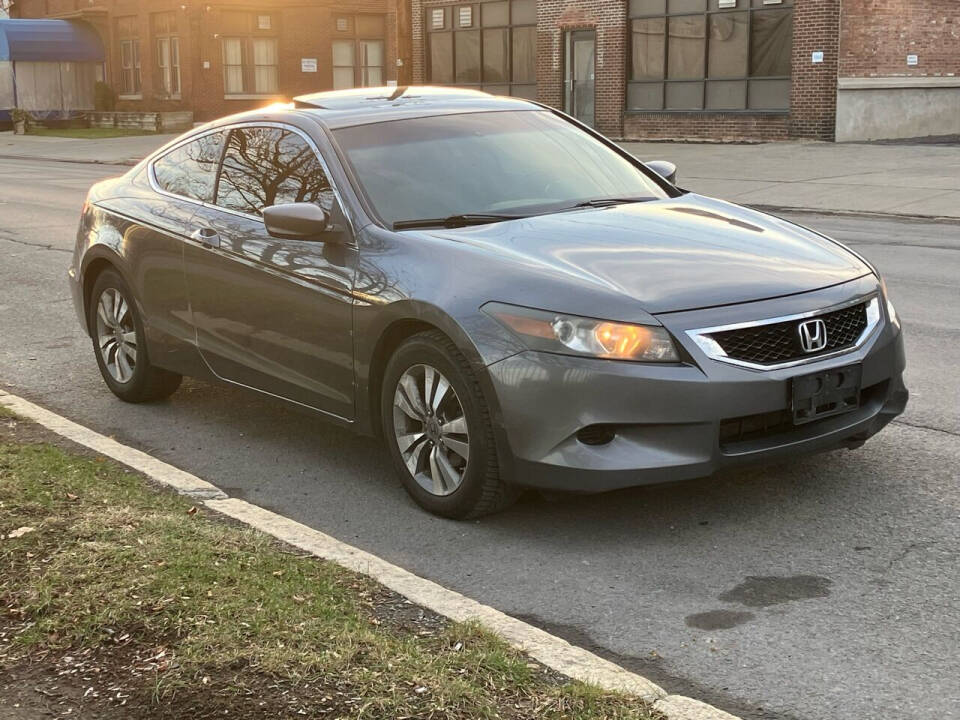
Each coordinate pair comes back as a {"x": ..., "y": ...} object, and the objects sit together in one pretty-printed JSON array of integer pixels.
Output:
[{"x": 780, "y": 342}]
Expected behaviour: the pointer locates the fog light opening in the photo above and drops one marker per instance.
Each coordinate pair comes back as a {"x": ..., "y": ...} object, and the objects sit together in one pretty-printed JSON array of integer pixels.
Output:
[{"x": 597, "y": 434}]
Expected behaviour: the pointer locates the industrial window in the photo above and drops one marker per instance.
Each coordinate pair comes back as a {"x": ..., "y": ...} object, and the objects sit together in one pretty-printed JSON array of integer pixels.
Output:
[
  {"x": 359, "y": 51},
  {"x": 250, "y": 54},
  {"x": 489, "y": 45},
  {"x": 723, "y": 55},
  {"x": 130, "y": 79},
  {"x": 168, "y": 53}
]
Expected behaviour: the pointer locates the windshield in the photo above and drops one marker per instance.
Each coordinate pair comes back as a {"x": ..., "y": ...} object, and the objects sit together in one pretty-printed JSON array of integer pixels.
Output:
[{"x": 518, "y": 162}]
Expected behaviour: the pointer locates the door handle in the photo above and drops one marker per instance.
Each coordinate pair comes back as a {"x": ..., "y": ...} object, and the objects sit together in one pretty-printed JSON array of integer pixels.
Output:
[{"x": 206, "y": 236}]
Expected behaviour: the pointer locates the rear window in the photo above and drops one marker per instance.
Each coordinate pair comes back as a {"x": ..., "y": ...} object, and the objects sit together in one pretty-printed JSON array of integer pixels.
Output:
[{"x": 191, "y": 169}]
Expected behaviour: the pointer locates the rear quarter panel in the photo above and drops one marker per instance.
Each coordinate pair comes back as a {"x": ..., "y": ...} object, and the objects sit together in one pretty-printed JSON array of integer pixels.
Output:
[{"x": 139, "y": 233}]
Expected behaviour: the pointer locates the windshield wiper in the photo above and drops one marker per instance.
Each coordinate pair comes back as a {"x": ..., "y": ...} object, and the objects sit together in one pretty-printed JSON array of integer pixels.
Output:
[
  {"x": 606, "y": 202},
  {"x": 455, "y": 221}
]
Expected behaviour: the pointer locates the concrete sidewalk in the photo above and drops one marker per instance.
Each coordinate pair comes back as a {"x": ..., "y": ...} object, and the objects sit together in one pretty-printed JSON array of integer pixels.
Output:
[
  {"x": 112, "y": 151},
  {"x": 917, "y": 180},
  {"x": 921, "y": 180}
]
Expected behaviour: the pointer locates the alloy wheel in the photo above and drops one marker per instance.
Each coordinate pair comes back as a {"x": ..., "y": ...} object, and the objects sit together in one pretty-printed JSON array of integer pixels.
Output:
[
  {"x": 431, "y": 429},
  {"x": 116, "y": 335}
]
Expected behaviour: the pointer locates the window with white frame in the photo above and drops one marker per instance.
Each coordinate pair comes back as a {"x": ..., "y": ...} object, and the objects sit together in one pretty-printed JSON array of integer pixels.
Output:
[
  {"x": 265, "y": 75},
  {"x": 250, "y": 55},
  {"x": 359, "y": 51},
  {"x": 130, "y": 79},
  {"x": 233, "y": 66},
  {"x": 168, "y": 64},
  {"x": 168, "y": 53}
]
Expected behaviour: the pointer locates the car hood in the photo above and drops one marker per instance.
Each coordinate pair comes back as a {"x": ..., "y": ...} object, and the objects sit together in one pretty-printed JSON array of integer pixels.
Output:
[{"x": 670, "y": 255}]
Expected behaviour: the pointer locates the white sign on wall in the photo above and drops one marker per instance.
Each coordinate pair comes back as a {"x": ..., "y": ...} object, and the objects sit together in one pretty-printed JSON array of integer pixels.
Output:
[
  {"x": 308, "y": 65},
  {"x": 817, "y": 57},
  {"x": 913, "y": 60}
]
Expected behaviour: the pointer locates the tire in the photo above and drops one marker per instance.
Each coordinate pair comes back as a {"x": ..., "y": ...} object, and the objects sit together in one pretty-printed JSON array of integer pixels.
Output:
[
  {"x": 480, "y": 491},
  {"x": 118, "y": 332}
]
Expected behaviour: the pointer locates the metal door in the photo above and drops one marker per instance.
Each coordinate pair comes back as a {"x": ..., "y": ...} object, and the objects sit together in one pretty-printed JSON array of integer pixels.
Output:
[{"x": 580, "y": 69}]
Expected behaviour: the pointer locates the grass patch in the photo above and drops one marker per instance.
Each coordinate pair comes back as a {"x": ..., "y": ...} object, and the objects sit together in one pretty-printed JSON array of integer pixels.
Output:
[
  {"x": 153, "y": 608},
  {"x": 88, "y": 133}
]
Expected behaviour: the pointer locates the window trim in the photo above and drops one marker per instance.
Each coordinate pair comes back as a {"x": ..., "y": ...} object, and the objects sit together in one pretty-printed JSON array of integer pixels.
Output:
[
  {"x": 155, "y": 186},
  {"x": 705, "y": 79}
]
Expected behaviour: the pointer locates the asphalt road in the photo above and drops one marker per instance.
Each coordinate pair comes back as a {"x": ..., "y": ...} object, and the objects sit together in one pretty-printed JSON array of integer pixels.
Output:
[{"x": 821, "y": 588}]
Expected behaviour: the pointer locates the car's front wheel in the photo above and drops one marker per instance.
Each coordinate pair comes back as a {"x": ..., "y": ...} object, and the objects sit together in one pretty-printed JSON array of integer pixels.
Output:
[
  {"x": 438, "y": 430},
  {"x": 120, "y": 347}
]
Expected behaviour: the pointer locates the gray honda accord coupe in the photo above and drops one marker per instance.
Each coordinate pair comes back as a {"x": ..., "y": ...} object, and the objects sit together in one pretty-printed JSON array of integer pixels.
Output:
[{"x": 503, "y": 295}]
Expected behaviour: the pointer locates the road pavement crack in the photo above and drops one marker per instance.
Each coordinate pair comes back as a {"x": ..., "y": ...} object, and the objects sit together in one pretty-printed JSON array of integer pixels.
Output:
[
  {"x": 39, "y": 246},
  {"x": 900, "y": 556},
  {"x": 918, "y": 426}
]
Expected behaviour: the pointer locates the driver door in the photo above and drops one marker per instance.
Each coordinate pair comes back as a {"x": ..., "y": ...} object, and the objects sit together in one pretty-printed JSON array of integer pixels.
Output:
[{"x": 274, "y": 315}]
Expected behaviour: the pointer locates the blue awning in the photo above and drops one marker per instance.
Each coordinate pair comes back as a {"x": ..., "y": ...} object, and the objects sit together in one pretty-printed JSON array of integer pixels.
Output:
[{"x": 50, "y": 41}]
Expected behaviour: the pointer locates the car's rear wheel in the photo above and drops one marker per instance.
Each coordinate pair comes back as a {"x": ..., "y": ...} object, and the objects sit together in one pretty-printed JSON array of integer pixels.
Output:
[
  {"x": 438, "y": 430},
  {"x": 120, "y": 347}
]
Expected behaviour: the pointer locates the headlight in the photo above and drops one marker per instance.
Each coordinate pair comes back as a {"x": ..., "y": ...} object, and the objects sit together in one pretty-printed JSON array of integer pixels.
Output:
[
  {"x": 572, "y": 335},
  {"x": 891, "y": 311}
]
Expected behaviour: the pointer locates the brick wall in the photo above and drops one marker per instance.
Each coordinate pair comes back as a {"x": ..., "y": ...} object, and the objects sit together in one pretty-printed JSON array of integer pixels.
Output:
[
  {"x": 877, "y": 35},
  {"x": 608, "y": 18},
  {"x": 728, "y": 127},
  {"x": 813, "y": 95},
  {"x": 303, "y": 30}
]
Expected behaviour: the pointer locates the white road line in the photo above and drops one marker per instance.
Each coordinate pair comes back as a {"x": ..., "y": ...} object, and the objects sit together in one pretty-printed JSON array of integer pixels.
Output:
[{"x": 554, "y": 652}]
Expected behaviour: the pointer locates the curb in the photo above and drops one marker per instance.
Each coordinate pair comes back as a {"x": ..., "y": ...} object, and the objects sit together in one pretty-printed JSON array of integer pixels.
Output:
[
  {"x": 556, "y": 653},
  {"x": 856, "y": 213},
  {"x": 129, "y": 162}
]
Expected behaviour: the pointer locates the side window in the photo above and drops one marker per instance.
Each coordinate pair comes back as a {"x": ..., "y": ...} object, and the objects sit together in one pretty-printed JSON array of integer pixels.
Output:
[
  {"x": 266, "y": 166},
  {"x": 191, "y": 169}
]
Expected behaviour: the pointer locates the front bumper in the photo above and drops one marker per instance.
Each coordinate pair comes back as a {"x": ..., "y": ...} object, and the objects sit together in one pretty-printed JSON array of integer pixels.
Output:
[{"x": 669, "y": 420}]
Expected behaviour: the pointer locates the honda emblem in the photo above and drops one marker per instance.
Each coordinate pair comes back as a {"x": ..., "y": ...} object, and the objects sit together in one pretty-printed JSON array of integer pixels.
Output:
[{"x": 813, "y": 335}]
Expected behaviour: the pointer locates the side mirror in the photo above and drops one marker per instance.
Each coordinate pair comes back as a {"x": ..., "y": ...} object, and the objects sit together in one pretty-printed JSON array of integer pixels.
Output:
[
  {"x": 665, "y": 169},
  {"x": 297, "y": 221}
]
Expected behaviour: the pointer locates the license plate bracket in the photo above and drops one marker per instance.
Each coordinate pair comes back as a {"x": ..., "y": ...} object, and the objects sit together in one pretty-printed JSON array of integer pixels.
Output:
[{"x": 824, "y": 394}]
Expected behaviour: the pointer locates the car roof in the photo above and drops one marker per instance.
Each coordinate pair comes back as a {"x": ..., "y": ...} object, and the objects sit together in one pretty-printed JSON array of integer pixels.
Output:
[{"x": 362, "y": 106}]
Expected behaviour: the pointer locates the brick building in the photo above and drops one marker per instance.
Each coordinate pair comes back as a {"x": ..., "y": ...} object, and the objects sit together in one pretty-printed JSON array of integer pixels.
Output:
[
  {"x": 713, "y": 69},
  {"x": 219, "y": 57}
]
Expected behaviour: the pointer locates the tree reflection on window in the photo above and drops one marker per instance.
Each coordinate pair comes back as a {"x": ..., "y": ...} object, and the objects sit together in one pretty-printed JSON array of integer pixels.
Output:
[{"x": 266, "y": 166}]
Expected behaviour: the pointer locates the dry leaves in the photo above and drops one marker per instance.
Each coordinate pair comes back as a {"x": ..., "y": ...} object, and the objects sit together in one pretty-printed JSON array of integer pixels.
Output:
[{"x": 20, "y": 532}]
